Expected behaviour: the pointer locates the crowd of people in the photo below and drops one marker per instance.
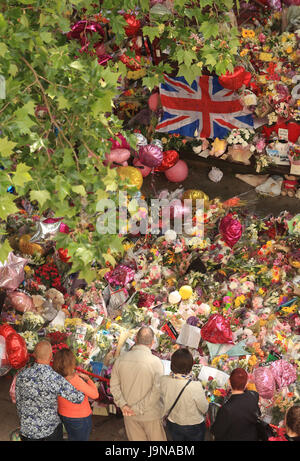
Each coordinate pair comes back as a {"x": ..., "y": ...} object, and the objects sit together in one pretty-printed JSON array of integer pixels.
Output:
[{"x": 156, "y": 407}]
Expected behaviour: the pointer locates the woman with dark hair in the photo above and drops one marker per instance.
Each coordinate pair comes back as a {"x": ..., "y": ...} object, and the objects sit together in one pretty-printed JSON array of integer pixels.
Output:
[
  {"x": 292, "y": 424},
  {"x": 77, "y": 418},
  {"x": 186, "y": 421},
  {"x": 236, "y": 419}
]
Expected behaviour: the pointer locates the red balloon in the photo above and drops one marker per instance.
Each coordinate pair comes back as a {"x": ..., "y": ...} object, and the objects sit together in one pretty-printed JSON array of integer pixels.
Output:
[
  {"x": 177, "y": 173},
  {"x": 170, "y": 159},
  {"x": 16, "y": 350},
  {"x": 234, "y": 80},
  {"x": 6, "y": 330},
  {"x": 134, "y": 25}
]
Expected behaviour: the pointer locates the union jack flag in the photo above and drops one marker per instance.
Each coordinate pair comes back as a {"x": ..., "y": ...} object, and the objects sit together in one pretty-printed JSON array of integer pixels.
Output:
[{"x": 205, "y": 109}]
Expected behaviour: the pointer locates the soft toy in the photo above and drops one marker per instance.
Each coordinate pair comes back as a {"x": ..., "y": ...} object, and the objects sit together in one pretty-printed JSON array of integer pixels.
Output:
[{"x": 289, "y": 185}]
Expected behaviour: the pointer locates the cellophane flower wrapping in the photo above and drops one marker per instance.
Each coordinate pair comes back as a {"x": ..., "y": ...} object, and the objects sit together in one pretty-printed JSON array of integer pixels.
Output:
[
  {"x": 284, "y": 373},
  {"x": 217, "y": 330},
  {"x": 265, "y": 382},
  {"x": 12, "y": 272}
]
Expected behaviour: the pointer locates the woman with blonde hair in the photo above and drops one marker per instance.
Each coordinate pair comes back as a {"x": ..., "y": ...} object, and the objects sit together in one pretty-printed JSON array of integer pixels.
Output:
[{"x": 77, "y": 418}]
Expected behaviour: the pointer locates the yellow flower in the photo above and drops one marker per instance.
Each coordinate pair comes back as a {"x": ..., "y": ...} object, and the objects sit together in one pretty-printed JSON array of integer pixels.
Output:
[
  {"x": 244, "y": 52},
  {"x": 133, "y": 283},
  {"x": 217, "y": 393},
  {"x": 252, "y": 361},
  {"x": 289, "y": 50},
  {"x": 283, "y": 39},
  {"x": 164, "y": 140}
]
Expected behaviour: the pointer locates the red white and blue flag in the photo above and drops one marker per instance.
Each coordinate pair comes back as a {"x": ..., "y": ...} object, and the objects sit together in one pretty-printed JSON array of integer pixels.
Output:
[{"x": 205, "y": 108}]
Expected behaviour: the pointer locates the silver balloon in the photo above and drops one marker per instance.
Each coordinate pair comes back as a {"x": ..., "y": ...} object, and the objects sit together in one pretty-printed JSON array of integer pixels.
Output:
[
  {"x": 141, "y": 140},
  {"x": 158, "y": 143},
  {"x": 45, "y": 231}
]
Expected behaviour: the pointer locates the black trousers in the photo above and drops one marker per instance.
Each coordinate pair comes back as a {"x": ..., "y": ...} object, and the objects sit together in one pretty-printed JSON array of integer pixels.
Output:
[{"x": 56, "y": 436}]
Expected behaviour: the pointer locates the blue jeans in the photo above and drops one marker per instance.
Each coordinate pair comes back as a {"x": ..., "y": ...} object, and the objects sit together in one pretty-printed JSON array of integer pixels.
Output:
[
  {"x": 194, "y": 433},
  {"x": 78, "y": 429}
]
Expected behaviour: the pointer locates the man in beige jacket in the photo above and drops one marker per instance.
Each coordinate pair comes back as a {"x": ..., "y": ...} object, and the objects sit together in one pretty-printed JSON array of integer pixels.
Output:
[{"x": 134, "y": 385}]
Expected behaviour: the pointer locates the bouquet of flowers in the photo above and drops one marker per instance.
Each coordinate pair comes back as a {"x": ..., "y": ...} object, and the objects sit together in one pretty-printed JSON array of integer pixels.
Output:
[
  {"x": 31, "y": 339},
  {"x": 241, "y": 136},
  {"x": 31, "y": 321}
]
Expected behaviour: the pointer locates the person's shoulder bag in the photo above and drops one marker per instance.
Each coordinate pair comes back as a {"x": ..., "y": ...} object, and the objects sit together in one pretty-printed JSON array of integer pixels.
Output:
[{"x": 164, "y": 420}]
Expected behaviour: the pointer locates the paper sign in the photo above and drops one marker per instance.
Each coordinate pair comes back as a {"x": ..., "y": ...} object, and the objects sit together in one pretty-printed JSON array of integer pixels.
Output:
[
  {"x": 218, "y": 375},
  {"x": 189, "y": 336},
  {"x": 169, "y": 329},
  {"x": 283, "y": 134}
]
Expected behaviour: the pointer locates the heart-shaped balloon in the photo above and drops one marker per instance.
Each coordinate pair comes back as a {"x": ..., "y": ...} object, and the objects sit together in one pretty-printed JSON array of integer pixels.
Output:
[
  {"x": 170, "y": 159},
  {"x": 236, "y": 79}
]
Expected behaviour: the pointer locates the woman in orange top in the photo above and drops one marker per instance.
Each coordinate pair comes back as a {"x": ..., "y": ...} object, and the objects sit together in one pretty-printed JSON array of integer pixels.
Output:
[{"x": 77, "y": 418}]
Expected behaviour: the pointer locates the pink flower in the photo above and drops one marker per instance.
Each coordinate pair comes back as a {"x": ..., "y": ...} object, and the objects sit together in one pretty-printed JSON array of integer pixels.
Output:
[{"x": 262, "y": 38}]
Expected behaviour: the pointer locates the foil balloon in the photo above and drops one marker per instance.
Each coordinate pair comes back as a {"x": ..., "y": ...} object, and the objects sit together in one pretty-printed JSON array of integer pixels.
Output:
[
  {"x": 150, "y": 155},
  {"x": 145, "y": 170},
  {"x": 20, "y": 301},
  {"x": 158, "y": 143},
  {"x": 6, "y": 330},
  {"x": 230, "y": 230},
  {"x": 132, "y": 174},
  {"x": 141, "y": 140},
  {"x": 170, "y": 158},
  {"x": 4, "y": 363},
  {"x": 217, "y": 330},
  {"x": 195, "y": 194},
  {"x": 178, "y": 172},
  {"x": 236, "y": 79},
  {"x": 133, "y": 26},
  {"x": 45, "y": 230},
  {"x": 12, "y": 272},
  {"x": 16, "y": 349},
  {"x": 117, "y": 156}
]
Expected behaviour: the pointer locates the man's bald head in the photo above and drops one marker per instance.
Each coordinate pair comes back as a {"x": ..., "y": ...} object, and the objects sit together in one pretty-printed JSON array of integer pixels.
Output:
[
  {"x": 145, "y": 336},
  {"x": 43, "y": 352}
]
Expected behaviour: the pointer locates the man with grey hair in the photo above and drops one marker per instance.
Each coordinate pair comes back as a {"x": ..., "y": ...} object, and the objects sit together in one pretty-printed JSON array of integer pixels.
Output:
[{"x": 134, "y": 385}]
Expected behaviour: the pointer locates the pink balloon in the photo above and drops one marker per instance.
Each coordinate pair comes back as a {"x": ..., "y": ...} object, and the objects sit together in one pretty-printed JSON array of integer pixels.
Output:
[
  {"x": 150, "y": 155},
  {"x": 178, "y": 172},
  {"x": 145, "y": 170},
  {"x": 153, "y": 101},
  {"x": 119, "y": 156}
]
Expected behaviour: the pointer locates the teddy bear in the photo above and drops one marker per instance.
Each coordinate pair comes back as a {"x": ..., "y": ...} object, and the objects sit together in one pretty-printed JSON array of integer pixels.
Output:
[{"x": 289, "y": 186}]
